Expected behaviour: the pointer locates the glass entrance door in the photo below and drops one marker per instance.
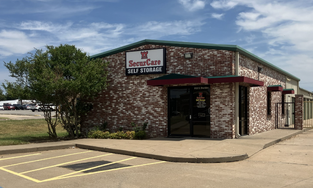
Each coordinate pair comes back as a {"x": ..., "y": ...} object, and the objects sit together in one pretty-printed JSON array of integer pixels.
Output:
[
  {"x": 179, "y": 111},
  {"x": 189, "y": 111},
  {"x": 201, "y": 111}
]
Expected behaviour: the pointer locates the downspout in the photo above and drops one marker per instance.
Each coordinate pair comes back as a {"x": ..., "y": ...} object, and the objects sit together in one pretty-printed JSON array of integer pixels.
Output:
[{"x": 237, "y": 96}]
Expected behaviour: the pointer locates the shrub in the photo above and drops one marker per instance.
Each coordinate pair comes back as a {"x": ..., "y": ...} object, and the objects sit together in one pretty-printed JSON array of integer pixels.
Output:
[
  {"x": 95, "y": 134},
  {"x": 106, "y": 134},
  {"x": 113, "y": 136},
  {"x": 117, "y": 135},
  {"x": 144, "y": 126},
  {"x": 103, "y": 126},
  {"x": 140, "y": 135},
  {"x": 99, "y": 134}
]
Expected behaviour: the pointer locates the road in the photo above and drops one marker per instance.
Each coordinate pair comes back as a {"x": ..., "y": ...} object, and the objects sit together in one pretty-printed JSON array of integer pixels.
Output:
[
  {"x": 288, "y": 164},
  {"x": 20, "y": 115},
  {"x": 21, "y": 112}
]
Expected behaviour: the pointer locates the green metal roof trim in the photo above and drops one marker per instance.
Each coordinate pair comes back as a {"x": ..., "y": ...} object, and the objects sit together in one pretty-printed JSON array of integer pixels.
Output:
[
  {"x": 288, "y": 89},
  {"x": 234, "y": 48},
  {"x": 173, "y": 76}
]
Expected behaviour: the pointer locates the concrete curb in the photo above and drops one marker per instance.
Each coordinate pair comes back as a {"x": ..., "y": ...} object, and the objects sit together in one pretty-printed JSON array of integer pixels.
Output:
[
  {"x": 164, "y": 157},
  {"x": 34, "y": 149},
  {"x": 283, "y": 139}
]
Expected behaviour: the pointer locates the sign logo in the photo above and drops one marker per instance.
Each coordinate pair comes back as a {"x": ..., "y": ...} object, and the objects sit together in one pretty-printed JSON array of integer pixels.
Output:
[
  {"x": 201, "y": 101},
  {"x": 144, "y": 55},
  {"x": 138, "y": 62}
]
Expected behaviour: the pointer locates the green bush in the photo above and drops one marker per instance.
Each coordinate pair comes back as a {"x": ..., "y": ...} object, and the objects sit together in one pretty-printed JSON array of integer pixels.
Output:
[
  {"x": 116, "y": 135},
  {"x": 130, "y": 134},
  {"x": 140, "y": 135},
  {"x": 137, "y": 133}
]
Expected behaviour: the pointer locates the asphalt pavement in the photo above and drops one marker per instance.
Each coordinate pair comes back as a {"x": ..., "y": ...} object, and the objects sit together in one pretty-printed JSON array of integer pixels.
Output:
[
  {"x": 192, "y": 150},
  {"x": 286, "y": 164}
]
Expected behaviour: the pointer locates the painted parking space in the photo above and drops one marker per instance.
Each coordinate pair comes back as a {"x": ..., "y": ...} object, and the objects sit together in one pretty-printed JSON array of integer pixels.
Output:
[{"x": 63, "y": 164}]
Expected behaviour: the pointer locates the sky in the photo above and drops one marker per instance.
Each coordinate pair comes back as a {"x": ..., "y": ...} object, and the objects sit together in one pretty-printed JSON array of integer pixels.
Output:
[{"x": 280, "y": 32}]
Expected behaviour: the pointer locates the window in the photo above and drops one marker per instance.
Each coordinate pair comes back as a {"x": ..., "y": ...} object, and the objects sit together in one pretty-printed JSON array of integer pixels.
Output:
[{"x": 268, "y": 103}]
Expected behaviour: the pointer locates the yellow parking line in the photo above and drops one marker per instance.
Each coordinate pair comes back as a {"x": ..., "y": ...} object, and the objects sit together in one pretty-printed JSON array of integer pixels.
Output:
[
  {"x": 18, "y": 174},
  {"x": 64, "y": 163},
  {"x": 78, "y": 175},
  {"x": 19, "y": 156},
  {"x": 89, "y": 169},
  {"x": 45, "y": 159}
]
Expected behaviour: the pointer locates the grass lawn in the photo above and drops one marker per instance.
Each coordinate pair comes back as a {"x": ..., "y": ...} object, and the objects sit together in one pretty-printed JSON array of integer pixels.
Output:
[{"x": 14, "y": 132}]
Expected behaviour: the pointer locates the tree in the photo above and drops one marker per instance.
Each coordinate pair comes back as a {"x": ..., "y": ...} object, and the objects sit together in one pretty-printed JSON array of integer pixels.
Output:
[
  {"x": 66, "y": 77},
  {"x": 2, "y": 96},
  {"x": 20, "y": 71}
]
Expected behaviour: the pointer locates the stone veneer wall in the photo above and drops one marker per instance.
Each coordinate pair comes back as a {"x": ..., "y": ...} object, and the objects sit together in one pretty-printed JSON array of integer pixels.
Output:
[
  {"x": 299, "y": 112},
  {"x": 129, "y": 98},
  {"x": 222, "y": 110},
  {"x": 259, "y": 121}
]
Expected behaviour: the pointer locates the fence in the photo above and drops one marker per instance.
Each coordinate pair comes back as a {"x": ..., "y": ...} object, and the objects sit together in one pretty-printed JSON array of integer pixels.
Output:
[
  {"x": 285, "y": 115},
  {"x": 307, "y": 113}
]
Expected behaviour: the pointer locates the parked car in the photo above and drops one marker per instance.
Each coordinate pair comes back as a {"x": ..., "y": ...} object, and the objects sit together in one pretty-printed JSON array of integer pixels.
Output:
[
  {"x": 35, "y": 107},
  {"x": 18, "y": 107},
  {"x": 8, "y": 106},
  {"x": 41, "y": 107},
  {"x": 29, "y": 106},
  {"x": 1, "y": 107},
  {"x": 24, "y": 107},
  {"x": 47, "y": 107}
]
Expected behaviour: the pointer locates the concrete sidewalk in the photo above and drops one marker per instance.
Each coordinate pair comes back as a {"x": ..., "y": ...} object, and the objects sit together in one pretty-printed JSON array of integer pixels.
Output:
[{"x": 194, "y": 150}]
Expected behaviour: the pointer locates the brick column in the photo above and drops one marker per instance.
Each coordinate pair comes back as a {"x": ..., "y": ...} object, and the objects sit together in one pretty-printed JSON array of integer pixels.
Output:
[{"x": 299, "y": 112}]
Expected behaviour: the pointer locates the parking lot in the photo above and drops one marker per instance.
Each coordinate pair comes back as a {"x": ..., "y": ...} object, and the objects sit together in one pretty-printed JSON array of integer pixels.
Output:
[{"x": 36, "y": 168}]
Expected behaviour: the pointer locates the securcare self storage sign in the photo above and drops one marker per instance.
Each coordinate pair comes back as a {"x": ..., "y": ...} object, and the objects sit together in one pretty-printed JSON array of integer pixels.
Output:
[{"x": 146, "y": 62}]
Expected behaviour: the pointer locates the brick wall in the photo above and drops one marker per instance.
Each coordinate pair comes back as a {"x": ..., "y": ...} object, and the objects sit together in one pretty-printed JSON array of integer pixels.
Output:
[
  {"x": 129, "y": 99},
  {"x": 259, "y": 121},
  {"x": 222, "y": 110},
  {"x": 299, "y": 112}
]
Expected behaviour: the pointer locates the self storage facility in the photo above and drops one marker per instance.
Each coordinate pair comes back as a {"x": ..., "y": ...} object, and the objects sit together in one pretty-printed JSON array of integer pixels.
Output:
[{"x": 191, "y": 89}]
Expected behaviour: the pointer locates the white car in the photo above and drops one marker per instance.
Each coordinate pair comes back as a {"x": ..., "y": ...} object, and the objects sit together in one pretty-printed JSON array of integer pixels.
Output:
[
  {"x": 1, "y": 107},
  {"x": 41, "y": 107}
]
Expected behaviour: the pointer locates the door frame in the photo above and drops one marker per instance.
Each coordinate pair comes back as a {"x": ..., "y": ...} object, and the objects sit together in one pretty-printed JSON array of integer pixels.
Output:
[{"x": 191, "y": 131}]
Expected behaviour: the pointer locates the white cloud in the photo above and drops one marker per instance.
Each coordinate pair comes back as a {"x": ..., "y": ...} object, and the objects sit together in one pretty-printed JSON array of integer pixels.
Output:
[
  {"x": 54, "y": 9},
  {"x": 223, "y": 4},
  {"x": 93, "y": 38},
  {"x": 217, "y": 16},
  {"x": 159, "y": 29},
  {"x": 42, "y": 26},
  {"x": 285, "y": 25},
  {"x": 16, "y": 42},
  {"x": 192, "y": 5}
]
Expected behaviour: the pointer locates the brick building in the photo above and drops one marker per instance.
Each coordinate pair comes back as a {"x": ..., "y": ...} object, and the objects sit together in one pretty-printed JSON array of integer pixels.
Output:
[{"x": 191, "y": 89}]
